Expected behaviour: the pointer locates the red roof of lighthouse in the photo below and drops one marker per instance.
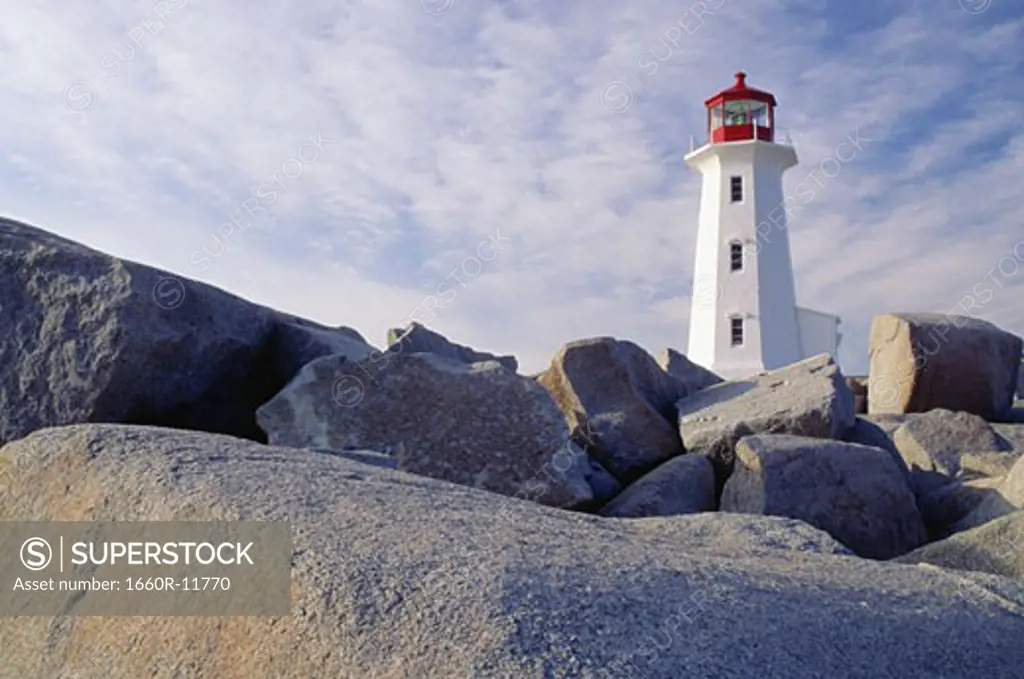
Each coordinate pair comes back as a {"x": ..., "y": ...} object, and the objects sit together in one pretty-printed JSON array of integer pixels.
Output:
[{"x": 740, "y": 91}]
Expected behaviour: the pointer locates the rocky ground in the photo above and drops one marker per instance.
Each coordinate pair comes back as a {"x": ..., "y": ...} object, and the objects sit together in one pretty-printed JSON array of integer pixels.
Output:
[{"x": 618, "y": 515}]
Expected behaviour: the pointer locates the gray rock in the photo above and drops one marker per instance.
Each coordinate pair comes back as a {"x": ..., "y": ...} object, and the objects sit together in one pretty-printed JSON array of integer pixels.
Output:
[
  {"x": 919, "y": 362},
  {"x": 370, "y": 457},
  {"x": 869, "y": 433},
  {"x": 695, "y": 377},
  {"x": 298, "y": 341},
  {"x": 973, "y": 465},
  {"x": 883, "y": 424},
  {"x": 933, "y": 442},
  {"x": 809, "y": 398},
  {"x": 476, "y": 424},
  {"x": 996, "y": 547},
  {"x": 945, "y": 506},
  {"x": 889, "y": 422},
  {"x": 866, "y": 431},
  {"x": 418, "y": 339},
  {"x": 1012, "y": 436},
  {"x": 618, "y": 401},
  {"x": 398, "y": 575},
  {"x": 724, "y": 533},
  {"x": 683, "y": 485},
  {"x": 602, "y": 484},
  {"x": 855, "y": 493},
  {"x": 93, "y": 338},
  {"x": 1007, "y": 498}
]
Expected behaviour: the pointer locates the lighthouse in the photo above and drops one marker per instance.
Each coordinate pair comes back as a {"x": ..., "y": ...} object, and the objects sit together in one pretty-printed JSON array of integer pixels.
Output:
[{"x": 744, "y": 319}]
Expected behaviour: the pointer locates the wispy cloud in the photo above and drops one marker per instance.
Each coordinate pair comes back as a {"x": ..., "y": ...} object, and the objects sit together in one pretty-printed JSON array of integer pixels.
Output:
[{"x": 148, "y": 130}]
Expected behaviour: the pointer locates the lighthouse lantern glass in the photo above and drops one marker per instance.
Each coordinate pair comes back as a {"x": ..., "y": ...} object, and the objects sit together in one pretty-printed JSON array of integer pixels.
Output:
[
  {"x": 737, "y": 113},
  {"x": 744, "y": 112},
  {"x": 716, "y": 117},
  {"x": 759, "y": 114}
]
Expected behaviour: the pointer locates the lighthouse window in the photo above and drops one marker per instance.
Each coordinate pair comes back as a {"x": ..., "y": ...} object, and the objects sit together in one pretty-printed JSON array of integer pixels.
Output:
[
  {"x": 736, "y": 331},
  {"x": 736, "y": 189},
  {"x": 736, "y": 256}
]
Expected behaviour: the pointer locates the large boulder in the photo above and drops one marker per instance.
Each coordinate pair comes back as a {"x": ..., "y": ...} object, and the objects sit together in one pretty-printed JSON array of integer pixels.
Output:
[
  {"x": 923, "y": 361},
  {"x": 617, "y": 399},
  {"x": 93, "y": 338},
  {"x": 401, "y": 576},
  {"x": 966, "y": 478},
  {"x": 932, "y": 444},
  {"x": 683, "y": 485},
  {"x": 855, "y": 493},
  {"x": 995, "y": 547},
  {"x": 416, "y": 338},
  {"x": 695, "y": 377},
  {"x": 809, "y": 398},
  {"x": 477, "y": 424}
]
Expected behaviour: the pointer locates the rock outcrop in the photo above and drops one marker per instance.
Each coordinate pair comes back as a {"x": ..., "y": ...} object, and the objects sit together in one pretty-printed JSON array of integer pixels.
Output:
[
  {"x": 416, "y": 338},
  {"x": 93, "y": 338},
  {"x": 426, "y": 488},
  {"x": 855, "y": 493},
  {"x": 919, "y": 362},
  {"x": 477, "y": 424},
  {"x": 395, "y": 575},
  {"x": 619, "y": 401},
  {"x": 809, "y": 398}
]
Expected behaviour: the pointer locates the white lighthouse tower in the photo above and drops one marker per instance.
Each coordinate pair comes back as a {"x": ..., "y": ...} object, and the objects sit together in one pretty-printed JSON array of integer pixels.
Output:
[{"x": 743, "y": 318}]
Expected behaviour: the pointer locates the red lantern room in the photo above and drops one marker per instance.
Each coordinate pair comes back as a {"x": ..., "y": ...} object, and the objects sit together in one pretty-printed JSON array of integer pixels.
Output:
[{"x": 741, "y": 114}]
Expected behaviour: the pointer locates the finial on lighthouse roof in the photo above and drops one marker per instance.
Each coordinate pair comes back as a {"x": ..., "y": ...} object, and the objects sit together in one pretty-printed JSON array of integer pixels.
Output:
[{"x": 741, "y": 79}]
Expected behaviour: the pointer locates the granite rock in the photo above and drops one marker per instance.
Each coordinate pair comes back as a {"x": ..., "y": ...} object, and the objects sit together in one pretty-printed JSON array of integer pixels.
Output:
[
  {"x": 416, "y": 338},
  {"x": 919, "y": 362},
  {"x": 619, "y": 402},
  {"x": 855, "y": 493},
  {"x": 476, "y": 424},
  {"x": 395, "y": 575},
  {"x": 809, "y": 398}
]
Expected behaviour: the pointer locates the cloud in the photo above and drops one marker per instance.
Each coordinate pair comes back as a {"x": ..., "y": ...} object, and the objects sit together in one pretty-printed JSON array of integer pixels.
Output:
[{"x": 446, "y": 126}]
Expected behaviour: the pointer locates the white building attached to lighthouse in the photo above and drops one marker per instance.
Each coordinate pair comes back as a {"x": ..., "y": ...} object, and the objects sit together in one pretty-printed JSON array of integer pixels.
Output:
[{"x": 743, "y": 317}]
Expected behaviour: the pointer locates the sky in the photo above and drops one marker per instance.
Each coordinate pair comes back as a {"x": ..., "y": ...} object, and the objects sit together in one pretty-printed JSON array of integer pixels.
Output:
[{"x": 510, "y": 172}]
